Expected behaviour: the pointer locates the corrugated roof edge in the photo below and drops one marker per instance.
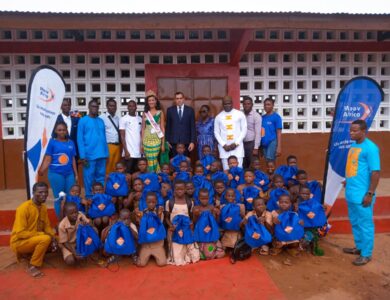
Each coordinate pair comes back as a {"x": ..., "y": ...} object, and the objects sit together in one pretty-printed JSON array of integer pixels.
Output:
[{"x": 194, "y": 12}]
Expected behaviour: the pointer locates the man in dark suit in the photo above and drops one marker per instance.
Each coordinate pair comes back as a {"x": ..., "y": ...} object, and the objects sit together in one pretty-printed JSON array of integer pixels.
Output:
[
  {"x": 71, "y": 122},
  {"x": 180, "y": 126}
]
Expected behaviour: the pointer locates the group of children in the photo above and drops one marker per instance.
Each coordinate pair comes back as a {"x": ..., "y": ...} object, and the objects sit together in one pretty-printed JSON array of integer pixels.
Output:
[{"x": 182, "y": 215}]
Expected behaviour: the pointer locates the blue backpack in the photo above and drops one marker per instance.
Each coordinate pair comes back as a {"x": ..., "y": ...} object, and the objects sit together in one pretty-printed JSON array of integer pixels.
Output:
[
  {"x": 77, "y": 200},
  {"x": 82, "y": 234},
  {"x": 219, "y": 175},
  {"x": 289, "y": 228},
  {"x": 206, "y": 218},
  {"x": 151, "y": 182},
  {"x": 175, "y": 162},
  {"x": 312, "y": 213},
  {"x": 237, "y": 199},
  {"x": 315, "y": 189},
  {"x": 206, "y": 161},
  {"x": 256, "y": 235},
  {"x": 116, "y": 185},
  {"x": 238, "y": 176},
  {"x": 230, "y": 218},
  {"x": 185, "y": 176},
  {"x": 272, "y": 203},
  {"x": 250, "y": 193},
  {"x": 95, "y": 212},
  {"x": 124, "y": 247},
  {"x": 182, "y": 223},
  {"x": 261, "y": 180},
  {"x": 165, "y": 178},
  {"x": 142, "y": 201},
  {"x": 151, "y": 229},
  {"x": 288, "y": 173}
]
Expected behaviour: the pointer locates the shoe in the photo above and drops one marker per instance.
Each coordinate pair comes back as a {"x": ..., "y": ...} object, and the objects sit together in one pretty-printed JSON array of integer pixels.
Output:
[
  {"x": 361, "y": 261},
  {"x": 352, "y": 251}
]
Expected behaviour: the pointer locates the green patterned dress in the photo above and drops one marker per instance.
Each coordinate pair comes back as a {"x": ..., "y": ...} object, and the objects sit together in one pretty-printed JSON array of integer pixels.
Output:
[{"x": 152, "y": 144}]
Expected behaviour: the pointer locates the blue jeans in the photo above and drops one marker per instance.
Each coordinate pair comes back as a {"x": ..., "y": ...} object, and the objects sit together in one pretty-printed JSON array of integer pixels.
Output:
[
  {"x": 60, "y": 183},
  {"x": 269, "y": 151},
  {"x": 363, "y": 228},
  {"x": 94, "y": 172}
]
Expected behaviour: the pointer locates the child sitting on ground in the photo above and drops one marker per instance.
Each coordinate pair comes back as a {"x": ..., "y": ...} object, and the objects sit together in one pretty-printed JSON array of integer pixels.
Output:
[
  {"x": 67, "y": 232},
  {"x": 288, "y": 228},
  {"x": 117, "y": 185},
  {"x": 175, "y": 161},
  {"x": 119, "y": 238},
  {"x": 289, "y": 171},
  {"x": 180, "y": 238},
  {"x": 132, "y": 201},
  {"x": 230, "y": 219},
  {"x": 270, "y": 167},
  {"x": 151, "y": 233},
  {"x": 259, "y": 237},
  {"x": 248, "y": 189},
  {"x": 74, "y": 196},
  {"x": 261, "y": 179},
  {"x": 102, "y": 207},
  {"x": 234, "y": 173},
  {"x": 275, "y": 192},
  {"x": 302, "y": 180},
  {"x": 206, "y": 232}
]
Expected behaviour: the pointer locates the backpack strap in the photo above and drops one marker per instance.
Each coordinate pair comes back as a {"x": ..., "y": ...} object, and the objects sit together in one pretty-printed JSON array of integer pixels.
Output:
[{"x": 171, "y": 204}]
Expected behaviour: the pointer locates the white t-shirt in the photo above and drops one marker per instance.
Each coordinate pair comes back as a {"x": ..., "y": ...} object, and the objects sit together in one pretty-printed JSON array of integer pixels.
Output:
[{"x": 132, "y": 127}]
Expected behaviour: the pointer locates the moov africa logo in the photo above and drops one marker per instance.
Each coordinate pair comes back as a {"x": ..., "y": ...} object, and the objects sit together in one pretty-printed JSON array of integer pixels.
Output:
[
  {"x": 46, "y": 95},
  {"x": 350, "y": 113}
]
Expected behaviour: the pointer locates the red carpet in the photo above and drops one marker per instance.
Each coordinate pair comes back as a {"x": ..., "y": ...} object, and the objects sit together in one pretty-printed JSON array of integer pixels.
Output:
[{"x": 216, "y": 279}]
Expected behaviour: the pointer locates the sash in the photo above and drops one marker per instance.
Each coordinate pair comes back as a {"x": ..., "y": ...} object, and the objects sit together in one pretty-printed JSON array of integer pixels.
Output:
[{"x": 156, "y": 127}]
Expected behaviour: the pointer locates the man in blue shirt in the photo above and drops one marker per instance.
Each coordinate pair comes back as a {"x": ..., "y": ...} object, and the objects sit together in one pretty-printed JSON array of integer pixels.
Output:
[
  {"x": 93, "y": 150},
  {"x": 362, "y": 177}
]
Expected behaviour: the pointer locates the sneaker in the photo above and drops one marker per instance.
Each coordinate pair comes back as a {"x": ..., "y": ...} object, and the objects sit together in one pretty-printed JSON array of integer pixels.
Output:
[
  {"x": 353, "y": 251},
  {"x": 361, "y": 261}
]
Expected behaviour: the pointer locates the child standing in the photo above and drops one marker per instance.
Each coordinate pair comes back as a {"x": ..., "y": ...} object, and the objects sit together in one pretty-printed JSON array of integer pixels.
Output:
[
  {"x": 207, "y": 158},
  {"x": 235, "y": 173},
  {"x": 271, "y": 132},
  {"x": 117, "y": 185},
  {"x": 180, "y": 237},
  {"x": 219, "y": 189},
  {"x": 67, "y": 232},
  {"x": 249, "y": 190},
  {"x": 261, "y": 179}
]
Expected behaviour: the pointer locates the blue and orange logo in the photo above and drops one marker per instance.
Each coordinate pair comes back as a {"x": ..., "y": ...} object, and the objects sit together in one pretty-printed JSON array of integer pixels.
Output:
[{"x": 46, "y": 95}]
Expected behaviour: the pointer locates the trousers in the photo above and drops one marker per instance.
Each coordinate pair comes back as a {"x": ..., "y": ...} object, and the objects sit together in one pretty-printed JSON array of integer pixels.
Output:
[
  {"x": 37, "y": 245},
  {"x": 94, "y": 171}
]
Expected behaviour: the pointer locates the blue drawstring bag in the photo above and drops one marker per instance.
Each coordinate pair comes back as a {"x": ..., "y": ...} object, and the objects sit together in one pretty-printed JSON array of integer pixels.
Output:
[
  {"x": 164, "y": 178},
  {"x": 198, "y": 180},
  {"x": 230, "y": 218},
  {"x": 312, "y": 213},
  {"x": 206, "y": 162},
  {"x": 289, "y": 228},
  {"x": 151, "y": 229},
  {"x": 272, "y": 203},
  {"x": 185, "y": 176},
  {"x": 182, "y": 223},
  {"x": 238, "y": 176},
  {"x": 116, "y": 185},
  {"x": 250, "y": 193},
  {"x": 237, "y": 199},
  {"x": 256, "y": 235},
  {"x": 175, "y": 162},
  {"x": 261, "y": 180},
  {"x": 288, "y": 173},
  {"x": 151, "y": 183},
  {"x": 95, "y": 212},
  {"x": 206, "y": 219},
  {"x": 315, "y": 190},
  {"x": 203, "y": 183},
  {"x": 219, "y": 175},
  {"x": 120, "y": 241},
  {"x": 142, "y": 201},
  {"x": 167, "y": 197},
  {"x": 77, "y": 200},
  {"x": 82, "y": 234}
]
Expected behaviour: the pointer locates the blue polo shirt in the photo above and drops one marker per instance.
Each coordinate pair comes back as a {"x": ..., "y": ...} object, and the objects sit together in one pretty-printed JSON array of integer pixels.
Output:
[
  {"x": 362, "y": 160},
  {"x": 62, "y": 154},
  {"x": 269, "y": 126}
]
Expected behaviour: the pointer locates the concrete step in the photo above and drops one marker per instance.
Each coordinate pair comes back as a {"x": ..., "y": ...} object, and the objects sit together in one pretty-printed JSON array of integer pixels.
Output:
[
  {"x": 4, "y": 237},
  {"x": 341, "y": 225},
  {"x": 381, "y": 207}
]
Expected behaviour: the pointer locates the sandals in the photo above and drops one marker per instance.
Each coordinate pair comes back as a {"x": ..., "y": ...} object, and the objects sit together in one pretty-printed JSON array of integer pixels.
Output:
[
  {"x": 263, "y": 251},
  {"x": 34, "y": 272}
]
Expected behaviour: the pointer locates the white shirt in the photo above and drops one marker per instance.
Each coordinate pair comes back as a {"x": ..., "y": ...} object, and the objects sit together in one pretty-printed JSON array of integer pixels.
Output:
[
  {"x": 68, "y": 121},
  {"x": 111, "y": 133},
  {"x": 182, "y": 110},
  {"x": 132, "y": 127},
  {"x": 230, "y": 127}
]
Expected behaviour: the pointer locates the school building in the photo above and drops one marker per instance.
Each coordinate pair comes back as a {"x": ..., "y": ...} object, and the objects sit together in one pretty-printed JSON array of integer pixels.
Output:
[{"x": 301, "y": 60}]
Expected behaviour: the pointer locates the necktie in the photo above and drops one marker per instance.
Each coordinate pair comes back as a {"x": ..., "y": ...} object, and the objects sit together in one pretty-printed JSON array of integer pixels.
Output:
[{"x": 180, "y": 113}]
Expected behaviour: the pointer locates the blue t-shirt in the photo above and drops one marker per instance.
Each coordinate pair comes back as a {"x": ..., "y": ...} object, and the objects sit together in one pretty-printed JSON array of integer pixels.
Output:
[
  {"x": 62, "y": 154},
  {"x": 269, "y": 126},
  {"x": 362, "y": 160}
]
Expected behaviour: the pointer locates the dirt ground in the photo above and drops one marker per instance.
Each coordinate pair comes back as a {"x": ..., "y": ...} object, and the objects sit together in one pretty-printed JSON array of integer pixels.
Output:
[{"x": 331, "y": 276}]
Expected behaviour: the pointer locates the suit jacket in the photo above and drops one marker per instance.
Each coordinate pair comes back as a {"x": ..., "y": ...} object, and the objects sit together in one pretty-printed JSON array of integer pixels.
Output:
[
  {"x": 73, "y": 132},
  {"x": 180, "y": 131}
]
